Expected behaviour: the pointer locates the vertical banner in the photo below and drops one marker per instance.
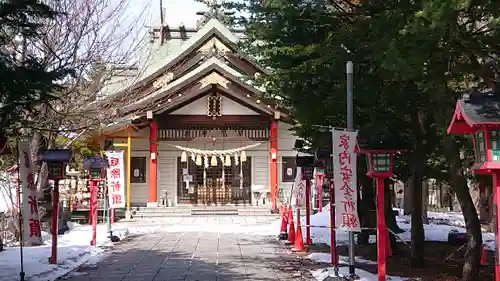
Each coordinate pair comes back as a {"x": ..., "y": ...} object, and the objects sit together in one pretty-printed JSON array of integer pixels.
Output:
[
  {"x": 344, "y": 175},
  {"x": 115, "y": 179},
  {"x": 298, "y": 190},
  {"x": 32, "y": 234}
]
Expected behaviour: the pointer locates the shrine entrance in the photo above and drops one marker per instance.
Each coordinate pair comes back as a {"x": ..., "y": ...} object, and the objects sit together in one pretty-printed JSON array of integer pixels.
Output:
[{"x": 215, "y": 184}]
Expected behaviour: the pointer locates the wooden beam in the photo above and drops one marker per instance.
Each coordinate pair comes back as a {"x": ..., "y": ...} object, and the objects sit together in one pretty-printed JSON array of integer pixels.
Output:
[
  {"x": 120, "y": 145},
  {"x": 125, "y": 137},
  {"x": 182, "y": 121}
]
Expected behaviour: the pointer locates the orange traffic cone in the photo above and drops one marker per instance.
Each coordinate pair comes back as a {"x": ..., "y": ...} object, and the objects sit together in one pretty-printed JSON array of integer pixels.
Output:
[
  {"x": 283, "y": 234},
  {"x": 298, "y": 246},
  {"x": 483, "y": 256},
  {"x": 291, "y": 231}
]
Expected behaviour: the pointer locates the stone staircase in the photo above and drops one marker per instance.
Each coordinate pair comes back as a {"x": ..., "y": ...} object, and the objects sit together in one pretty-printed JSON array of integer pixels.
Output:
[{"x": 186, "y": 211}]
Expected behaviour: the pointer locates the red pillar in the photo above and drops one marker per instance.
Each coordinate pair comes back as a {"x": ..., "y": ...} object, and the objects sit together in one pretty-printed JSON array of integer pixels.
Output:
[
  {"x": 496, "y": 205},
  {"x": 93, "y": 209},
  {"x": 274, "y": 164},
  {"x": 319, "y": 192},
  {"x": 333, "y": 240},
  {"x": 153, "y": 164},
  {"x": 381, "y": 231}
]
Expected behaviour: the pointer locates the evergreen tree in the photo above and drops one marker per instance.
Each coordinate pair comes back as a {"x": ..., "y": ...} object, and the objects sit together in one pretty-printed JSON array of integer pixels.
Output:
[
  {"x": 412, "y": 61},
  {"x": 25, "y": 83}
]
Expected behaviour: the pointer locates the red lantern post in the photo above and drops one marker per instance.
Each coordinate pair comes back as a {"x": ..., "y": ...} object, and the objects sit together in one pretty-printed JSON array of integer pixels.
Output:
[
  {"x": 95, "y": 166},
  {"x": 477, "y": 114},
  {"x": 94, "y": 186},
  {"x": 380, "y": 167},
  {"x": 55, "y": 159}
]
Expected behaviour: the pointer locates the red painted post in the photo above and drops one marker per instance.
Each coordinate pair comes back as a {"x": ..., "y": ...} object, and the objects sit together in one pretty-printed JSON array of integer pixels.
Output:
[
  {"x": 153, "y": 164},
  {"x": 333, "y": 242},
  {"x": 496, "y": 199},
  {"x": 381, "y": 230},
  {"x": 308, "y": 212},
  {"x": 55, "y": 221},
  {"x": 93, "y": 210},
  {"x": 274, "y": 164}
]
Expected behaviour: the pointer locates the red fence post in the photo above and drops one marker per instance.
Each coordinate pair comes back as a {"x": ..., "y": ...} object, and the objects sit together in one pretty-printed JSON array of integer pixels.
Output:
[
  {"x": 333, "y": 239},
  {"x": 93, "y": 210}
]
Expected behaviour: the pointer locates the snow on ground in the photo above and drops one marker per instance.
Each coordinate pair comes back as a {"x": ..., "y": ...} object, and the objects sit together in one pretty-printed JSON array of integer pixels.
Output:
[
  {"x": 222, "y": 224},
  {"x": 321, "y": 274},
  {"x": 73, "y": 250},
  {"x": 433, "y": 232},
  {"x": 327, "y": 258}
]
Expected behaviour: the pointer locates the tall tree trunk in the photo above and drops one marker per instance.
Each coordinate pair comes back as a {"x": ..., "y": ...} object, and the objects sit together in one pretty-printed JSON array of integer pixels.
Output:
[
  {"x": 417, "y": 168},
  {"x": 472, "y": 224},
  {"x": 425, "y": 200},
  {"x": 407, "y": 201},
  {"x": 417, "y": 227}
]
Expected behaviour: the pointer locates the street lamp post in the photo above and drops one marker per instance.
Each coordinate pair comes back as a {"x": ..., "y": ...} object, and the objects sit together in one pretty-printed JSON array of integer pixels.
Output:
[
  {"x": 55, "y": 159},
  {"x": 350, "y": 126}
]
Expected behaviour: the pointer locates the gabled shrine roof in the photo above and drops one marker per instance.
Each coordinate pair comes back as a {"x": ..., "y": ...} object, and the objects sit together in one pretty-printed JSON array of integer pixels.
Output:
[
  {"x": 475, "y": 109},
  {"x": 183, "y": 73},
  {"x": 213, "y": 65},
  {"x": 162, "y": 58}
]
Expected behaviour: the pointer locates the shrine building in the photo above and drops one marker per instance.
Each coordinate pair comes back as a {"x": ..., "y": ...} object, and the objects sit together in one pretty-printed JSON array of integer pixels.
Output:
[{"x": 200, "y": 132}]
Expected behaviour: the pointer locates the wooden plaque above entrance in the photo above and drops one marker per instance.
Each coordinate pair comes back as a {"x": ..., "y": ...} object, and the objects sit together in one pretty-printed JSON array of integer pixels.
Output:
[{"x": 183, "y": 121}]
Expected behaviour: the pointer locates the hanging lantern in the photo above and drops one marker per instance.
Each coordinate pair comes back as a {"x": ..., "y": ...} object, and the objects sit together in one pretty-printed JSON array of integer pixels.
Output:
[
  {"x": 193, "y": 157},
  {"x": 243, "y": 156},
  {"x": 205, "y": 160},
  {"x": 184, "y": 156},
  {"x": 236, "y": 159},
  {"x": 227, "y": 163},
  {"x": 198, "y": 160},
  {"x": 213, "y": 161}
]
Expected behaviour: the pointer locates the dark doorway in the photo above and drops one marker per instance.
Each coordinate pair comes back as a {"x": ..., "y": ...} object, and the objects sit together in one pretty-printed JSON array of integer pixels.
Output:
[{"x": 198, "y": 185}]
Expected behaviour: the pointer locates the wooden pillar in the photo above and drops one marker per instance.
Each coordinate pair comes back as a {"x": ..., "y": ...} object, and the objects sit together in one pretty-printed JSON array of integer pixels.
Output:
[
  {"x": 274, "y": 164},
  {"x": 153, "y": 164}
]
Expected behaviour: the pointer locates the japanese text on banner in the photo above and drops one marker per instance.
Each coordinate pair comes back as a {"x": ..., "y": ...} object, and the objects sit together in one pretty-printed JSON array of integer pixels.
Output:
[
  {"x": 298, "y": 190},
  {"x": 344, "y": 175},
  {"x": 116, "y": 179},
  {"x": 31, "y": 222}
]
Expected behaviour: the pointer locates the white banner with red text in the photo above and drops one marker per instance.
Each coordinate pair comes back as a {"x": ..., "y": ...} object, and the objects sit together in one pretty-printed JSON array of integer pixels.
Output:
[
  {"x": 32, "y": 234},
  {"x": 345, "y": 180},
  {"x": 116, "y": 179},
  {"x": 298, "y": 190}
]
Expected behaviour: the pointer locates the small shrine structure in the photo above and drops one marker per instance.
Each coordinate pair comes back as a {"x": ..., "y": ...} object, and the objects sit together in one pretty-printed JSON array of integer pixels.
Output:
[
  {"x": 478, "y": 114},
  {"x": 197, "y": 129}
]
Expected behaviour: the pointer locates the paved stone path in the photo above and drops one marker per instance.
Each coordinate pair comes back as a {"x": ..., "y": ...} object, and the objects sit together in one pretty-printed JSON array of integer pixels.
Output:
[{"x": 196, "y": 256}]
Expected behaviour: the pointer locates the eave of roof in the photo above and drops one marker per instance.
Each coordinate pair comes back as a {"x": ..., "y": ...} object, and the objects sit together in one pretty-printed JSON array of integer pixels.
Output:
[
  {"x": 213, "y": 64},
  {"x": 475, "y": 110}
]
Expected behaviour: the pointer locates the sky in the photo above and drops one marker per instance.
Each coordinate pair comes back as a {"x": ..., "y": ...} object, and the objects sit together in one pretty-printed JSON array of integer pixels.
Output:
[{"x": 177, "y": 11}]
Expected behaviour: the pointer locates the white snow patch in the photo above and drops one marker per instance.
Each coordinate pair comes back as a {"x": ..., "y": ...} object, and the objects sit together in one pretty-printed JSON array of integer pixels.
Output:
[
  {"x": 321, "y": 274},
  {"x": 73, "y": 250}
]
